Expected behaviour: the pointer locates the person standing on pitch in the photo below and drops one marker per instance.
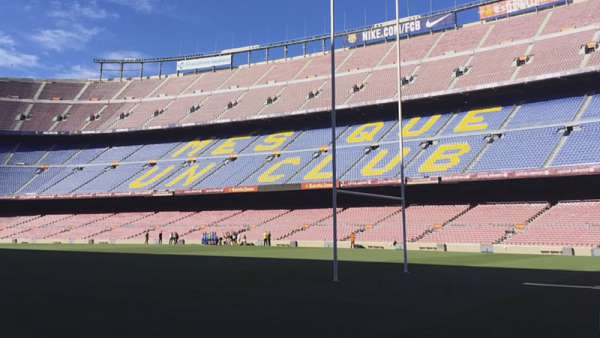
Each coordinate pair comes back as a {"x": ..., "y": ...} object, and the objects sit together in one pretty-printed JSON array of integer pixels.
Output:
[
  {"x": 160, "y": 237},
  {"x": 265, "y": 238},
  {"x": 146, "y": 237},
  {"x": 269, "y": 237},
  {"x": 352, "y": 240}
]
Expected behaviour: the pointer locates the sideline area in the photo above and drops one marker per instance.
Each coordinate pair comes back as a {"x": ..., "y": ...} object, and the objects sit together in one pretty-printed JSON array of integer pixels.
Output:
[{"x": 566, "y": 263}]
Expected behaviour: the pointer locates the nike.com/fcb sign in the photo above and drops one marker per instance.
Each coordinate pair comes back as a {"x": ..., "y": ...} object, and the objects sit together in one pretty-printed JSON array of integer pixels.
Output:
[{"x": 410, "y": 27}]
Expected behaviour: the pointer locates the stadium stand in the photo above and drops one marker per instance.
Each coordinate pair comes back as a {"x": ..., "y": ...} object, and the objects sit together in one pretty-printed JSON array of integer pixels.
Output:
[
  {"x": 506, "y": 135},
  {"x": 565, "y": 224},
  {"x": 525, "y": 47}
]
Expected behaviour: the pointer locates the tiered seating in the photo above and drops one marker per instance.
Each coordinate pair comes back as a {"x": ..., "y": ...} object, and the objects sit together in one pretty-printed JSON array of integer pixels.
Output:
[
  {"x": 178, "y": 110},
  {"x": 19, "y": 232},
  {"x": 572, "y": 16},
  {"x": 556, "y": 55},
  {"x": 60, "y": 90},
  {"x": 11, "y": 222},
  {"x": 13, "y": 178},
  {"x": 558, "y": 235},
  {"x": 100, "y": 230},
  {"x": 429, "y": 57},
  {"x": 539, "y": 113},
  {"x": 185, "y": 227},
  {"x": 286, "y": 224},
  {"x": 565, "y": 224},
  {"x": 175, "y": 85},
  {"x": 78, "y": 116},
  {"x": 467, "y": 38},
  {"x": 284, "y": 71},
  {"x": 247, "y": 76},
  {"x": 348, "y": 221},
  {"x": 212, "y": 108},
  {"x": 55, "y": 228},
  {"x": 9, "y": 110},
  {"x": 485, "y": 224},
  {"x": 475, "y": 234},
  {"x": 435, "y": 76},
  {"x": 43, "y": 116},
  {"x": 504, "y": 67},
  {"x": 110, "y": 116},
  {"x": 414, "y": 48},
  {"x": 321, "y": 65},
  {"x": 509, "y": 214},
  {"x": 380, "y": 85},
  {"x": 138, "y": 228},
  {"x": 365, "y": 58},
  {"x": 251, "y": 103},
  {"x": 419, "y": 219},
  {"x": 156, "y": 223},
  {"x": 138, "y": 89},
  {"x": 519, "y": 150},
  {"x": 141, "y": 114},
  {"x": 237, "y": 222},
  {"x": 293, "y": 97},
  {"x": 515, "y": 28},
  {"x": 343, "y": 90},
  {"x": 104, "y": 90},
  {"x": 581, "y": 147},
  {"x": 19, "y": 89},
  {"x": 209, "y": 81}
]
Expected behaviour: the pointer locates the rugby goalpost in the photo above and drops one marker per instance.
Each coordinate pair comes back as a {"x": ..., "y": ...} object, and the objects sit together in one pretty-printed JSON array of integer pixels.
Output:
[{"x": 334, "y": 189}]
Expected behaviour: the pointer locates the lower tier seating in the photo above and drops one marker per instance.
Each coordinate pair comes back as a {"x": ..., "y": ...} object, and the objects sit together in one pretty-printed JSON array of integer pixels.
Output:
[{"x": 575, "y": 224}]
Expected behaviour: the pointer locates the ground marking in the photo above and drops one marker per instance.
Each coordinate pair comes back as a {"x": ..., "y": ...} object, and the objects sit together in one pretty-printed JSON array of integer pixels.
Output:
[{"x": 567, "y": 286}]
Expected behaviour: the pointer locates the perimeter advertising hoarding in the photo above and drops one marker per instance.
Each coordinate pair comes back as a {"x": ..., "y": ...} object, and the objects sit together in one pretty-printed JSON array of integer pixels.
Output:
[
  {"x": 413, "y": 26},
  {"x": 204, "y": 63},
  {"x": 508, "y": 7}
]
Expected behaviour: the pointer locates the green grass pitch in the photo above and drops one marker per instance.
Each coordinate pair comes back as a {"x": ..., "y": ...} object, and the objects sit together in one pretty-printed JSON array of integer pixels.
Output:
[
  {"x": 572, "y": 263},
  {"x": 193, "y": 291}
]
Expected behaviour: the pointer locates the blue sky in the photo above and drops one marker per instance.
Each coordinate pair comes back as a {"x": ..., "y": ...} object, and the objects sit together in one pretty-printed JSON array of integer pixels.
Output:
[{"x": 59, "y": 38}]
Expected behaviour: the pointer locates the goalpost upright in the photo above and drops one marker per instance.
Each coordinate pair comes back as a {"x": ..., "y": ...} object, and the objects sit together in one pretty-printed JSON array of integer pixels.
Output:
[{"x": 334, "y": 181}]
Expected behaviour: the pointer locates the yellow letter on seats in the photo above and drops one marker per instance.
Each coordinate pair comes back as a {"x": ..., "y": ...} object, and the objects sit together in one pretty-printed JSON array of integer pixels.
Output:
[
  {"x": 268, "y": 177},
  {"x": 445, "y": 157},
  {"x": 147, "y": 178},
  {"x": 228, "y": 146},
  {"x": 361, "y": 134},
  {"x": 273, "y": 141},
  {"x": 408, "y": 132},
  {"x": 370, "y": 170},
  {"x": 192, "y": 148},
  {"x": 317, "y": 174},
  {"x": 190, "y": 176},
  {"x": 473, "y": 121}
]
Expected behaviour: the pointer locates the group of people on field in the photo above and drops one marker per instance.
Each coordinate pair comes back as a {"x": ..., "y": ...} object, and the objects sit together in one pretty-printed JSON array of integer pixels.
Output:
[
  {"x": 230, "y": 238},
  {"x": 267, "y": 238},
  {"x": 173, "y": 238}
]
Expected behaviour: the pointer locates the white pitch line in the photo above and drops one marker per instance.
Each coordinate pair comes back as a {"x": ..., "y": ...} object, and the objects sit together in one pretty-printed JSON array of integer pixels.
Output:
[{"x": 567, "y": 286}]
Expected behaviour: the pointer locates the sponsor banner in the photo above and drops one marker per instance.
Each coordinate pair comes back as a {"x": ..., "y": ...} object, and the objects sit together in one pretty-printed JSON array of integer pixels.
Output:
[
  {"x": 508, "y": 7},
  {"x": 204, "y": 63},
  {"x": 213, "y": 191},
  {"x": 311, "y": 186},
  {"x": 241, "y": 189},
  {"x": 365, "y": 183},
  {"x": 412, "y": 26}
]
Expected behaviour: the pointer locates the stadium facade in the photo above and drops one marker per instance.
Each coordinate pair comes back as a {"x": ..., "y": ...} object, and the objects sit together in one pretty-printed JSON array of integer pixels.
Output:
[{"x": 501, "y": 142}]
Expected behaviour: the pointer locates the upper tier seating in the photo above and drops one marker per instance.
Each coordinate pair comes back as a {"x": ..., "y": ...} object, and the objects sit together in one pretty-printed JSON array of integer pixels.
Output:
[
  {"x": 61, "y": 91},
  {"x": 520, "y": 48}
]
